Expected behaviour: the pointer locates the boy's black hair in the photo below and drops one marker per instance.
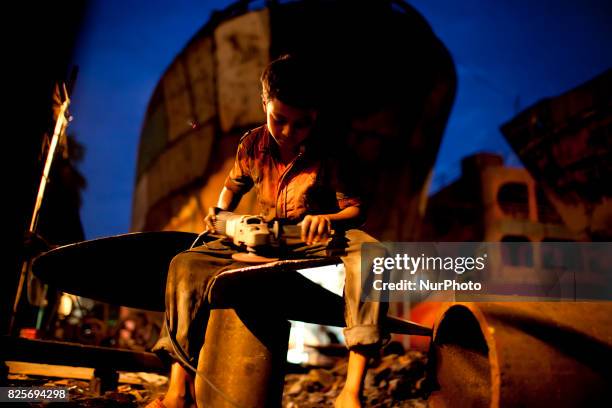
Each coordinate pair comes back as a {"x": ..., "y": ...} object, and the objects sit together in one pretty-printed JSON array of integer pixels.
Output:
[{"x": 291, "y": 80}]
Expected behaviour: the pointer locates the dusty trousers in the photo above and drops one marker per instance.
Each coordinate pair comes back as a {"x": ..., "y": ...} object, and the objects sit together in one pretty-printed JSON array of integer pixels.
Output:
[{"x": 191, "y": 277}]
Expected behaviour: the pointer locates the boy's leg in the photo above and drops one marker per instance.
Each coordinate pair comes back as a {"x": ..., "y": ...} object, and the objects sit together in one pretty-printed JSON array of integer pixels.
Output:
[
  {"x": 180, "y": 392},
  {"x": 363, "y": 333},
  {"x": 189, "y": 276},
  {"x": 363, "y": 319},
  {"x": 355, "y": 375}
]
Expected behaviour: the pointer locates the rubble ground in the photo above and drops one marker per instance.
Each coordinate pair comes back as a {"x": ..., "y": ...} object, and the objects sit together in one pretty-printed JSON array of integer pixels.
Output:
[{"x": 393, "y": 381}]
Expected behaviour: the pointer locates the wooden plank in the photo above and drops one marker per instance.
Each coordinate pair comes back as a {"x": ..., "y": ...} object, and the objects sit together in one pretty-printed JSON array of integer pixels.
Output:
[
  {"x": 77, "y": 355},
  {"x": 78, "y": 373},
  {"x": 48, "y": 370}
]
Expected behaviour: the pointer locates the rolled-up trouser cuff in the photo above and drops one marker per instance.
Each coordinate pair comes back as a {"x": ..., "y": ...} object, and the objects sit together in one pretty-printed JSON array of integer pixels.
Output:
[
  {"x": 163, "y": 349},
  {"x": 362, "y": 335}
]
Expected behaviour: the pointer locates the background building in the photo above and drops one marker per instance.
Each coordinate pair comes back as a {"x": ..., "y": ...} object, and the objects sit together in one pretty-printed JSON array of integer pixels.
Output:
[{"x": 563, "y": 194}]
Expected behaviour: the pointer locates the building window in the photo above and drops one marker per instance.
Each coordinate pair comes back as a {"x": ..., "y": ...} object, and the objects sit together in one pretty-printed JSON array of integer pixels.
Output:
[
  {"x": 516, "y": 251},
  {"x": 513, "y": 199},
  {"x": 560, "y": 254},
  {"x": 547, "y": 214}
]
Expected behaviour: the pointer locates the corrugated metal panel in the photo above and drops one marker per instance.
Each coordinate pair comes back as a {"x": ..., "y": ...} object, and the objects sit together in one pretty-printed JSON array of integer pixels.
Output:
[
  {"x": 180, "y": 164},
  {"x": 201, "y": 70},
  {"x": 154, "y": 134},
  {"x": 178, "y": 100},
  {"x": 215, "y": 82},
  {"x": 187, "y": 216},
  {"x": 140, "y": 204},
  {"x": 565, "y": 144},
  {"x": 243, "y": 45}
]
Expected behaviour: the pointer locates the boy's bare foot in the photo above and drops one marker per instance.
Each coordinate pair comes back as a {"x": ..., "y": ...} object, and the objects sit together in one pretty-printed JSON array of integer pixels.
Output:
[
  {"x": 355, "y": 375},
  {"x": 177, "y": 401},
  {"x": 347, "y": 399},
  {"x": 180, "y": 389}
]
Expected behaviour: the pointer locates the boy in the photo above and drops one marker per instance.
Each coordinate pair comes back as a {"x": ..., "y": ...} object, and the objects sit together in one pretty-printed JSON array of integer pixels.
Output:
[{"x": 283, "y": 160}]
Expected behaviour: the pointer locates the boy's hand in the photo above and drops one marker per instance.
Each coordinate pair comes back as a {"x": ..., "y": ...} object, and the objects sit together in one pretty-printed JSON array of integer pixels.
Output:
[
  {"x": 210, "y": 219},
  {"x": 315, "y": 228}
]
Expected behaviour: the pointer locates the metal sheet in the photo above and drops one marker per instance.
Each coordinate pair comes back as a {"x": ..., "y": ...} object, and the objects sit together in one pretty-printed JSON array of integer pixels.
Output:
[
  {"x": 565, "y": 142},
  {"x": 131, "y": 269},
  {"x": 181, "y": 164},
  {"x": 242, "y": 51},
  {"x": 200, "y": 65},
  {"x": 128, "y": 270},
  {"x": 523, "y": 354},
  {"x": 364, "y": 48}
]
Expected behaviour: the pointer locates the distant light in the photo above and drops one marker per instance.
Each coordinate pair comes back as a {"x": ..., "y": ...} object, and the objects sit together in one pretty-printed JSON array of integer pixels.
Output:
[
  {"x": 331, "y": 277},
  {"x": 296, "y": 354},
  {"x": 65, "y": 307},
  {"x": 297, "y": 357}
]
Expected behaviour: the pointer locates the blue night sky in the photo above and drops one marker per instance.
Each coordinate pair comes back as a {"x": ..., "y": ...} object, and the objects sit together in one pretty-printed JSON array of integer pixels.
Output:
[{"x": 508, "y": 54}]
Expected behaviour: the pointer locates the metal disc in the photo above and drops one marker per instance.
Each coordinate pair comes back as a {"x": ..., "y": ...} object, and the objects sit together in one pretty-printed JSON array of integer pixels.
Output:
[
  {"x": 251, "y": 258},
  {"x": 128, "y": 270}
]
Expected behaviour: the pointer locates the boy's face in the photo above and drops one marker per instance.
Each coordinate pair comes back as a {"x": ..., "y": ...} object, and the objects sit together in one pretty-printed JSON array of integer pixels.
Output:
[{"x": 288, "y": 125}]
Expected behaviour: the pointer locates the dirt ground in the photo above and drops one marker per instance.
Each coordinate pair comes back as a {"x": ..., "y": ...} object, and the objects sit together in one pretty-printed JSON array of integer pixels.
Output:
[{"x": 392, "y": 381}]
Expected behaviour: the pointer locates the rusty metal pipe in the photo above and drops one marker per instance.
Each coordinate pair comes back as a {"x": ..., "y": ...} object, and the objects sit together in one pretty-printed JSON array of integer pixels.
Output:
[
  {"x": 523, "y": 354},
  {"x": 242, "y": 361}
]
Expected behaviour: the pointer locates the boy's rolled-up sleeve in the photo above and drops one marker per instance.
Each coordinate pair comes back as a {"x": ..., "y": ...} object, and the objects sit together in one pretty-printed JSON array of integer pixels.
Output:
[
  {"x": 347, "y": 200},
  {"x": 347, "y": 195},
  {"x": 239, "y": 179},
  {"x": 346, "y": 192}
]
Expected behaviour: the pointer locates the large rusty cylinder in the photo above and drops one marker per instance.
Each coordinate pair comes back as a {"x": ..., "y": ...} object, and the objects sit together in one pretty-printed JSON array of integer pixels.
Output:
[
  {"x": 386, "y": 82},
  {"x": 522, "y": 355},
  {"x": 242, "y": 361}
]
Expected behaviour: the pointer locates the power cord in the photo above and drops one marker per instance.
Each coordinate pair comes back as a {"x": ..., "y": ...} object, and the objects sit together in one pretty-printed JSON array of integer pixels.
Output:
[
  {"x": 182, "y": 356},
  {"x": 203, "y": 234}
]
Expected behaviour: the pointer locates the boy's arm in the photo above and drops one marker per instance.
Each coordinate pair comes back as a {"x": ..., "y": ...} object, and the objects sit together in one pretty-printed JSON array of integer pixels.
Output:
[
  {"x": 237, "y": 183},
  {"x": 316, "y": 228},
  {"x": 228, "y": 201},
  {"x": 350, "y": 213}
]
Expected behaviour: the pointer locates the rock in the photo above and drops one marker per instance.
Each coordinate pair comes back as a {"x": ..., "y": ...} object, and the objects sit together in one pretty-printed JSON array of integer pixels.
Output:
[
  {"x": 394, "y": 347},
  {"x": 340, "y": 368},
  {"x": 370, "y": 380},
  {"x": 316, "y": 398},
  {"x": 325, "y": 378},
  {"x": 295, "y": 389},
  {"x": 402, "y": 389},
  {"x": 393, "y": 382}
]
